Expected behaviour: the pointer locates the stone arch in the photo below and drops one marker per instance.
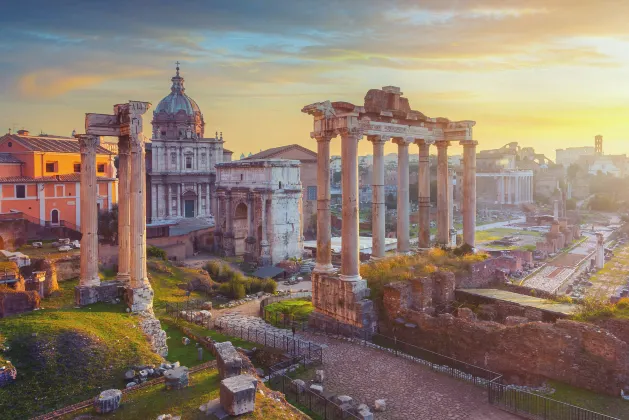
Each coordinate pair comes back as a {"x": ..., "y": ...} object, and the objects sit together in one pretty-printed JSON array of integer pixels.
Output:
[
  {"x": 241, "y": 211},
  {"x": 241, "y": 226}
]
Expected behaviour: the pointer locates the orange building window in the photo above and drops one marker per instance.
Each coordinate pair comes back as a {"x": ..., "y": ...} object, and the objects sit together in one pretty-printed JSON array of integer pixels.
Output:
[
  {"x": 100, "y": 167},
  {"x": 51, "y": 166},
  {"x": 77, "y": 167},
  {"x": 20, "y": 191}
]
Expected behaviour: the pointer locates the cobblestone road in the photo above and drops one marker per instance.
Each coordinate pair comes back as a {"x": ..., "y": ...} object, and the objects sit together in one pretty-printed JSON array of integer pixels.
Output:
[{"x": 411, "y": 390}]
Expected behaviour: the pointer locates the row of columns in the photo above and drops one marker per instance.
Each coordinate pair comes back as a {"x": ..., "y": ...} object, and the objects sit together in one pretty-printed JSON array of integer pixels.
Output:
[
  {"x": 163, "y": 159},
  {"x": 515, "y": 188},
  {"x": 163, "y": 194},
  {"x": 132, "y": 270},
  {"x": 350, "y": 211}
]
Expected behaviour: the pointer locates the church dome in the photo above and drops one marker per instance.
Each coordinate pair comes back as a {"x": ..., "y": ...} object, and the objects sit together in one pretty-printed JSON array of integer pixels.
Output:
[{"x": 178, "y": 100}]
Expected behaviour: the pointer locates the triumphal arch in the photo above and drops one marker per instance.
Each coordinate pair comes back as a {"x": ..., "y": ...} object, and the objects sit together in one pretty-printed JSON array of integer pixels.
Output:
[{"x": 385, "y": 116}]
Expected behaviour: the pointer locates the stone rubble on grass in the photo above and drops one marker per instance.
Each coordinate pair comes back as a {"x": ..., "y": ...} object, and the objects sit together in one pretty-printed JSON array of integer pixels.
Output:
[
  {"x": 317, "y": 389},
  {"x": 380, "y": 405},
  {"x": 185, "y": 341},
  {"x": 228, "y": 360},
  {"x": 130, "y": 384},
  {"x": 168, "y": 417},
  {"x": 176, "y": 378},
  {"x": 238, "y": 394},
  {"x": 320, "y": 376},
  {"x": 300, "y": 386},
  {"x": 364, "y": 413},
  {"x": 108, "y": 401}
]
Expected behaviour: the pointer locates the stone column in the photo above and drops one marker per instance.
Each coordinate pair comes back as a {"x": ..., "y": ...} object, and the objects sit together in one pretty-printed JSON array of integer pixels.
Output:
[
  {"x": 403, "y": 204},
  {"x": 424, "y": 194},
  {"x": 228, "y": 235},
  {"x": 509, "y": 189},
  {"x": 208, "y": 211},
  {"x": 443, "y": 228},
  {"x": 124, "y": 209},
  {"x": 350, "y": 257},
  {"x": 518, "y": 189},
  {"x": 178, "y": 198},
  {"x": 153, "y": 202},
  {"x": 86, "y": 292},
  {"x": 218, "y": 224},
  {"x": 265, "y": 250},
  {"x": 324, "y": 232},
  {"x": 198, "y": 199},
  {"x": 468, "y": 198},
  {"x": 140, "y": 296},
  {"x": 378, "y": 210},
  {"x": 452, "y": 231},
  {"x": 250, "y": 240}
]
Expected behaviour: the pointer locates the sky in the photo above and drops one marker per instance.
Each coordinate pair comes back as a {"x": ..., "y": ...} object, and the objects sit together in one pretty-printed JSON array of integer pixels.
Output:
[{"x": 546, "y": 73}]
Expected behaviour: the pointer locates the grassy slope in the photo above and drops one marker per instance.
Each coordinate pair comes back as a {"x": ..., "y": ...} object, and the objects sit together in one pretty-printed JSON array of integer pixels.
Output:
[
  {"x": 64, "y": 355},
  {"x": 299, "y": 309},
  {"x": 611, "y": 406}
]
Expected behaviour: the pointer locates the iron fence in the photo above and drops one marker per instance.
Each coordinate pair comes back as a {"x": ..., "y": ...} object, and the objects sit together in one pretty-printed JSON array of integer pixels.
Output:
[
  {"x": 537, "y": 407},
  {"x": 304, "y": 398},
  {"x": 285, "y": 341}
]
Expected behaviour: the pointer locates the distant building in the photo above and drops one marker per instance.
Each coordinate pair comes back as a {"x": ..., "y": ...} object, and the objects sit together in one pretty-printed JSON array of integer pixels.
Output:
[
  {"x": 40, "y": 177},
  {"x": 570, "y": 155}
]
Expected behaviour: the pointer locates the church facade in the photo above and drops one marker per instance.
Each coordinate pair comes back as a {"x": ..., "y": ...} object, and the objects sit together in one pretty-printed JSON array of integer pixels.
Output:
[{"x": 182, "y": 162}]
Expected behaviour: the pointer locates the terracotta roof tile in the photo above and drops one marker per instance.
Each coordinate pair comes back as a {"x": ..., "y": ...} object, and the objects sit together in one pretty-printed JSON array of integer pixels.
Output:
[
  {"x": 52, "y": 144},
  {"x": 75, "y": 177},
  {"x": 9, "y": 158}
]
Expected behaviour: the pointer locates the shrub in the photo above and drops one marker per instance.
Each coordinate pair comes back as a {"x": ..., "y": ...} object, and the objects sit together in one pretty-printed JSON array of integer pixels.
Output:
[
  {"x": 623, "y": 303},
  {"x": 269, "y": 286},
  {"x": 155, "y": 252}
]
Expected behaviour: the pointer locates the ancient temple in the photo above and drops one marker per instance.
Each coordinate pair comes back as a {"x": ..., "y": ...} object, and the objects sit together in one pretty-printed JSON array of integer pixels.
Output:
[{"x": 183, "y": 161}]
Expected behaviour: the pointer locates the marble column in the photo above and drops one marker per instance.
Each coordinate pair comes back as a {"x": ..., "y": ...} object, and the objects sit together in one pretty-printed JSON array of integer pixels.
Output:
[
  {"x": 140, "y": 296},
  {"x": 208, "y": 212},
  {"x": 265, "y": 250},
  {"x": 324, "y": 230},
  {"x": 198, "y": 213},
  {"x": 178, "y": 199},
  {"x": 124, "y": 209},
  {"x": 378, "y": 210},
  {"x": 443, "y": 228},
  {"x": 350, "y": 257},
  {"x": 86, "y": 293},
  {"x": 403, "y": 204},
  {"x": 228, "y": 235},
  {"x": 509, "y": 189},
  {"x": 468, "y": 197},
  {"x": 424, "y": 194},
  {"x": 250, "y": 240}
]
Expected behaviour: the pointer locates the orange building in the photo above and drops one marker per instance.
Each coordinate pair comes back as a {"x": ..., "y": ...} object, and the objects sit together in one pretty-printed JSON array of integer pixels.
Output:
[{"x": 40, "y": 177}]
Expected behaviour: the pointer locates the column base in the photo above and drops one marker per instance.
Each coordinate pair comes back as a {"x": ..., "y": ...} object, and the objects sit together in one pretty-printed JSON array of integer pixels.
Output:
[
  {"x": 140, "y": 299},
  {"x": 229, "y": 250},
  {"x": 107, "y": 291},
  {"x": 354, "y": 277},
  {"x": 123, "y": 277},
  {"x": 323, "y": 268},
  {"x": 339, "y": 301},
  {"x": 250, "y": 246}
]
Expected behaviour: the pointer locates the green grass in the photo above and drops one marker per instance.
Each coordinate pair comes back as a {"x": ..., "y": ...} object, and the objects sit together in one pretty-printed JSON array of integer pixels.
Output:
[
  {"x": 295, "y": 309},
  {"x": 47, "y": 251},
  {"x": 605, "y": 404},
  {"x": 65, "y": 355},
  {"x": 200, "y": 331},
  {"x": 165, "y": 279},
  {"x": 177, "y": 351}
]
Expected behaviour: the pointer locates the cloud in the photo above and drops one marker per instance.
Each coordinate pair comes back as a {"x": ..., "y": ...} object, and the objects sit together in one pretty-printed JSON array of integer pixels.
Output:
[{"x": 49, "y": 83}]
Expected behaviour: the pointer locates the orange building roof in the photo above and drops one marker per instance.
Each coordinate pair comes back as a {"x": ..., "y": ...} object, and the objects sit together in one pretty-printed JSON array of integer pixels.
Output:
[
  {"x": 48, "y": 143},
  {"x": 75, "y": 177}
]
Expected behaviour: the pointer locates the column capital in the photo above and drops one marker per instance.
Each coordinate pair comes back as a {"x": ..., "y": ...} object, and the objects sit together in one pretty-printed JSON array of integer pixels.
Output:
[
  {"x": 323, "y": 136},
  {"x": 138, "y": 108},
  {"x": 468, "y": 143},
  {"x": 378, "y": 138},
  {"x": 88, "y": 143},
  {"x": 442, "y": 144},
  {"x": 423, "y": 142},
  {"x": 403, "y": 141},
  {"x": 350, "y": 132}
]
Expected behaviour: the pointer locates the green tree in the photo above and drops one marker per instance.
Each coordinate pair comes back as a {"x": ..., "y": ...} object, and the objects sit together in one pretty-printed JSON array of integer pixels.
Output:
[{"x": 108, "y": 225}]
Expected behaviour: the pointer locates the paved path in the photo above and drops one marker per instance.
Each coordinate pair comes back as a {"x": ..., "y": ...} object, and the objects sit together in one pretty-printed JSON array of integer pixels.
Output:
[{"x": 412, "y": 391}]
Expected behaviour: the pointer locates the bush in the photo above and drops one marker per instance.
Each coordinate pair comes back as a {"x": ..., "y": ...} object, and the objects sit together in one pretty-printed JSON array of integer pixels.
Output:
[
  {"x": 269, "y": 286},
  {"x": 155, "y": 252},
  {"x": 623, "y": 303}
]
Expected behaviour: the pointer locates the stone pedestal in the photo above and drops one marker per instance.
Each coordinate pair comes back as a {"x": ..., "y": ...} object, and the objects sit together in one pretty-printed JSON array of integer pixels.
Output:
[
  {"x": 108, "y": 401},
  {"x": 176, "y": 378},
  {"x": 228, "y": 360},
  {"x": 338, "y": 301},
  {"x": 250, "y": 250},
  {"x": 140, "y": 298},
  {"x": 238, "y": 394},
  {"x": 85, "y": 295}
]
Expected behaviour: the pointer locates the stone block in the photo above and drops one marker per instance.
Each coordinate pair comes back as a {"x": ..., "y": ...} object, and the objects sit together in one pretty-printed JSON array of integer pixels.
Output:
[
  {"x": 319, "y": 376},
  {"x": 140, "y": 299},
  {"x": 108, "y": 401},
  {"x": 300, "y": 386},
  {"x": 7, "y": 375},
  {"x": 515, "y": 320},
  {"x": 228, "y": 360},
  {"x": 466, "y": 313},
  {"x": 176, "y": 378},
  {"x": 238, "y": 394},
  {"x": 380, "y": 405},
  {"x": 85, "y": 295},
  {"x": 317, "y": 389}
]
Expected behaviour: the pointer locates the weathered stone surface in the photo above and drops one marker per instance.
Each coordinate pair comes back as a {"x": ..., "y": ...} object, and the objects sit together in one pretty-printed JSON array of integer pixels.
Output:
[
  {"x": 238, "y": 394},
  {"x": 317, "y": 389},
  {"x": 228, "y": 360},
  {"x": 12, "y": 302},
  {"x": 515, "y": 320},
  {"x": 152, "y": 328},
  {"x": 380, "y": 405},
  {"x": 108, "y": 401},
  {"x": 131, "y": 384},
  {"x": 319, "y": 376},
  {"x": 130, "y": 374},
  {"x": 176, "y": 378},
  {"x": 168, "y": 417},
  {"x": 465, "y": 313},
  {"x": 300, "y": 386}
]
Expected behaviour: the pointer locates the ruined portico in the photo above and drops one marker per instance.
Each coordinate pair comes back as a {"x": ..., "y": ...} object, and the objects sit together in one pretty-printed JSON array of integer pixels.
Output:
[
  {"x": 386, "y": 115},
  {"x": 126, "y": 124}
]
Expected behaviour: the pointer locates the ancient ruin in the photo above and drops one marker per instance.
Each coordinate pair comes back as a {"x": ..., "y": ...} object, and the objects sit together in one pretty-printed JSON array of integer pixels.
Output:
[
  {"x": 259, "y": 210},
  {"x": 385, "y": 115},
  {"x": 126, "y": 124}
]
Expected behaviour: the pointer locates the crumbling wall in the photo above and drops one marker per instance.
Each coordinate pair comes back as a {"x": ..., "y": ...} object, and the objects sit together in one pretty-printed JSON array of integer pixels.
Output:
[
  {"x": 576, "y": 353},
  {"x": 15, "y": 302}
]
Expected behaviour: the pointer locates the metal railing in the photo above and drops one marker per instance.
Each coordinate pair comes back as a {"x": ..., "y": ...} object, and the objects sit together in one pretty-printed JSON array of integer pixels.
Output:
[
  {"x": 286, "y": 342},
  {"x": 302, "y": 397}
]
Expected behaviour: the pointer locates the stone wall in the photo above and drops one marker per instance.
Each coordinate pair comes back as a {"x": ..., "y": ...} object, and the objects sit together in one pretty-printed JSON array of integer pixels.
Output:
[
  {"x": 342, "y": 301},
  {"x": 483, "y": 273},
  {"x": 422, "y": 294},
  {"x": 15, "y": 302},
  {"x": 579, "y": 354},
  {"x": 68, "y": 268},
  {"x": 12, "y": 234}
]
